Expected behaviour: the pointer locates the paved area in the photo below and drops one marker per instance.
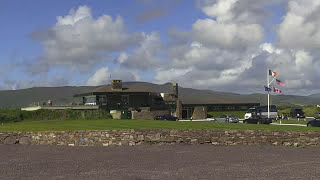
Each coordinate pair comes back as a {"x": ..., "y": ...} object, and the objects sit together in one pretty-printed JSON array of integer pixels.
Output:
[{"x": 159, "y": 162}]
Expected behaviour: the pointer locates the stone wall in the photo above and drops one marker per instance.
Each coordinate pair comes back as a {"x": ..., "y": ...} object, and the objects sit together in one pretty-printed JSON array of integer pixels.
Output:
[
  {"x": 179, "y": 109},
  {"x": 200, "y": 112},
  {"x": 137, "y": 137},
  {"x": 148, "y": 115}
]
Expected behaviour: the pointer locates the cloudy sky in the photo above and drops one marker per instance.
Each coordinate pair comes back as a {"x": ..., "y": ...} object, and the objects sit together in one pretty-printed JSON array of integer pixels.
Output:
[{"x": 222, "y": 45}]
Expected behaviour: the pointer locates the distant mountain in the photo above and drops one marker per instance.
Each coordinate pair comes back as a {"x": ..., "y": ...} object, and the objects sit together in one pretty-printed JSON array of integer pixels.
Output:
[
  {"x": 64, "y": 95},
  {"x": 315, "y": 95},
  {"x": 26, "y": 97}
]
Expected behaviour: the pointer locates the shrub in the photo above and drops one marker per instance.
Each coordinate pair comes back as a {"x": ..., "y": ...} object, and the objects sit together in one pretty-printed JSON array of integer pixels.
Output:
[
  {"x": 44, "y": 114},
  {"x": 10, "y": 115},
  {"x": 16, "y": 115}
]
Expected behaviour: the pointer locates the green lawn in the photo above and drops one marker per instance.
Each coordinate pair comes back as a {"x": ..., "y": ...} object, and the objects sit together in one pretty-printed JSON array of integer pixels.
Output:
[
  {"x": 291, "y": 122},
  {"x": 66, "y": 125},
  {"x": 238, "y": 114}
]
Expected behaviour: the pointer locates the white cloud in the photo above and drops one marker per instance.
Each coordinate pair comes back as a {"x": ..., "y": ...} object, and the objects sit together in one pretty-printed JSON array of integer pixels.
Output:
[
  {"x": 270, "y": 48},
  {"x": 225, "y": 51},
  {"x": 102, "y": 76},
  {"x": 168, "y": 75},
  {"x": 227, "y": 35},
  {"x": 80, "y": 41},
  {"x": 221, "y": 10},
  {"x": 300, "y": 27},
  {"x": 42, "y": 81},
  {"x": 145, "y": 56}
]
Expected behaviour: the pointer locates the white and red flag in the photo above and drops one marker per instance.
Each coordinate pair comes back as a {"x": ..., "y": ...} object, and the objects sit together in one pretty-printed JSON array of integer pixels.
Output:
[
  {"x": 277, "y": 90},
  {"x": 279, "y": 82}
]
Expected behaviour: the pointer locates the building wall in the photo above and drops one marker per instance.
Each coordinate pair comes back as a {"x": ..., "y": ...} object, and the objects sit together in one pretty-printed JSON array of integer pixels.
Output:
[
  {"x": 148, "y": 115},
  {"x": 200, "y": 112},
  {"x": 179, "y": 109}
]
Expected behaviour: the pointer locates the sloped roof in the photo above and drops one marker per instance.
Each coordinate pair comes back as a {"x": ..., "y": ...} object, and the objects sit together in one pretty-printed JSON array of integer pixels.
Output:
[
  {"x": 186, "y": 95},
  {"x": 126, "y": 88}
]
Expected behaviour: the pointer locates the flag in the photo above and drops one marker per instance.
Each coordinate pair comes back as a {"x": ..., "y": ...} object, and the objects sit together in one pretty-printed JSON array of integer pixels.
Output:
[
  {"x": 267, "y": 89},
  {"x": 271, "y": 73},
  {"x": 279, "y": 82},
  {"x": 276, "y": 90}
]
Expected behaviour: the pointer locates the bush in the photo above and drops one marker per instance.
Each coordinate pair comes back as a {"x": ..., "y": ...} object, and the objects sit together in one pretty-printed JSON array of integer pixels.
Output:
[
  {"x": 10, "y": 115},
  {"x": 44, "y": 114},
  {"x": 16, "y": 115}
]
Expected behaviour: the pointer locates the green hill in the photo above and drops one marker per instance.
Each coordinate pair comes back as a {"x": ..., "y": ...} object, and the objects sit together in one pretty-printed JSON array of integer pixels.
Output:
[{"x": 64, "y": 95}]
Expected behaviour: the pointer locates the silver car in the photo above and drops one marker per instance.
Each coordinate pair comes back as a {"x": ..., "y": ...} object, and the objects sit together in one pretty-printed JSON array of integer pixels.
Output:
[{"x": 227, "y": 118}]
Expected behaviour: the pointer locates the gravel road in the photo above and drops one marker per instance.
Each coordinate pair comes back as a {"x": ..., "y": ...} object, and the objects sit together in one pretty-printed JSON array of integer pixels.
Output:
[{"x": 158, "y": 162}]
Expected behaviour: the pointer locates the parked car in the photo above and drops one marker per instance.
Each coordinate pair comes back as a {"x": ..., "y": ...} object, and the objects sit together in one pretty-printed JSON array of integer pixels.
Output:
[
  {"x": 262, "y": 112},
  {"x": 227, "y": 118},
  {"x": 248, "y": 113},
  {"x": 314, "y": 123},
  {"x": 167, "y": 117},
  {"x": 259, "y": 115},
  {"x": 297, "y": 113}
]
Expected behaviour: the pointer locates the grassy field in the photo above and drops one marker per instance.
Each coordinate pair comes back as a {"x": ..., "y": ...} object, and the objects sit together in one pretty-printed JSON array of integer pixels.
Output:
[
  {"x": 239, "y": 114},
  {"x": 310, "y": 111},
  {"x": 66, "y": 125},
  {"x": 291, "y": 122}
]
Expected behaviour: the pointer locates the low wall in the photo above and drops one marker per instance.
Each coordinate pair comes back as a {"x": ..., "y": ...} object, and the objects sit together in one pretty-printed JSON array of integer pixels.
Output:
[
  {"x": 148, "y": 115},
  {"x": 137, "y": 137}
]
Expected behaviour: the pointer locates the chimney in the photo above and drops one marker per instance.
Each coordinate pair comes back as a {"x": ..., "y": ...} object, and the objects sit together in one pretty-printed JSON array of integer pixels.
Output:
[
  {"x": 116, "y": 85},
  {"x": 175, "y": 89}
]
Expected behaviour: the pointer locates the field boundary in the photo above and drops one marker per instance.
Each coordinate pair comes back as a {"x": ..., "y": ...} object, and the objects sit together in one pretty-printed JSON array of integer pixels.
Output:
[{"x": 133, "y": 137}]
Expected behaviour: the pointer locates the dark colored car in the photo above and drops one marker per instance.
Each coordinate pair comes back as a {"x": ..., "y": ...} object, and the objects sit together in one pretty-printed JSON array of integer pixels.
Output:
[
  {"x": 314, "y": 123},
  {"x": 167, "y": 117},
  {"x": 258, "y": 120},
  {"x": 297, "y": 113}
]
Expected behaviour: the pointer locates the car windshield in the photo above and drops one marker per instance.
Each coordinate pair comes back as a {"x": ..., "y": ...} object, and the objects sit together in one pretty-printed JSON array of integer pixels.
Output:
[
  {"x": 265, "y": 108},
  {"x": 299, "y": 111}
]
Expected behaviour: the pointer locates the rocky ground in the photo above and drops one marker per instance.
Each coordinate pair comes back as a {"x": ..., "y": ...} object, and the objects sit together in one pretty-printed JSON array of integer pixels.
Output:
[{"x": 158, "y": 162}]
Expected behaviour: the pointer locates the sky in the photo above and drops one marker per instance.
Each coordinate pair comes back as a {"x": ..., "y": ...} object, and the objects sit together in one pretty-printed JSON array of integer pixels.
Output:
[{"x": 221, "y": 45}]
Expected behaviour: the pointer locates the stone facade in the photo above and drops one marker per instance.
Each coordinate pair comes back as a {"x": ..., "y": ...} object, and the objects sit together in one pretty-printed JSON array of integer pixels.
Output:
[
  {"x": 200, "y": 112},
  {"x": 179, "y": 109},
  {"x": 148, "y": 115},
  {"x": 148, "y": 136}
]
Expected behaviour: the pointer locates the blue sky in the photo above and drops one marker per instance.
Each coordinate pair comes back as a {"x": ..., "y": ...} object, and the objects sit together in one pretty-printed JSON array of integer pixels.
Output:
[{"x": 214, "y": 43}]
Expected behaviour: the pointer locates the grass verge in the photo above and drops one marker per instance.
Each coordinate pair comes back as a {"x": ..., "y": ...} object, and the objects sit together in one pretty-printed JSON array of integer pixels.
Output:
[
  {"x": 68, "y": 125},
  {"x": 291, "y": 122}
]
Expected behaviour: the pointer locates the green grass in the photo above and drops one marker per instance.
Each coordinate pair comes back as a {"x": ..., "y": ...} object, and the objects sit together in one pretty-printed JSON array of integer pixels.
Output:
[
  {"x": 310, "y": 111},
  {"x": 68, "y": 125},
  {"x": 238, "y": 114},
  {"x": 291, "y": 122}
]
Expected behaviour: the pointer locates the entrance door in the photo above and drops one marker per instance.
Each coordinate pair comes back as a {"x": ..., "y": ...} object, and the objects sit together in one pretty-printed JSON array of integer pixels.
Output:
[{"x": 125, "y": 100}]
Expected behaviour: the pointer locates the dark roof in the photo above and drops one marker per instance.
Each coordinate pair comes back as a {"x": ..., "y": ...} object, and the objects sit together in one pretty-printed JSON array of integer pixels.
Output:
[
  {"x": 186, "y": 95},
  {"x": 127, "y": 88},
  {"x": 212, "y": 100}
]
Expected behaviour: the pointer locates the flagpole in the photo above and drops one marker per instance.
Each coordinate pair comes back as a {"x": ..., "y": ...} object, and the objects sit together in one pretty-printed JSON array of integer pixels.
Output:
[{"x": 268, "y": 93}]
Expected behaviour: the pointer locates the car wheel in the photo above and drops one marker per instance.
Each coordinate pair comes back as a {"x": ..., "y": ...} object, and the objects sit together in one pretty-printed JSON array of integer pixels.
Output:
[
  {"x": 258, "y": 122},
  {"x": 309, "y": 125},
  {"x": 245, "y": 122}
]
